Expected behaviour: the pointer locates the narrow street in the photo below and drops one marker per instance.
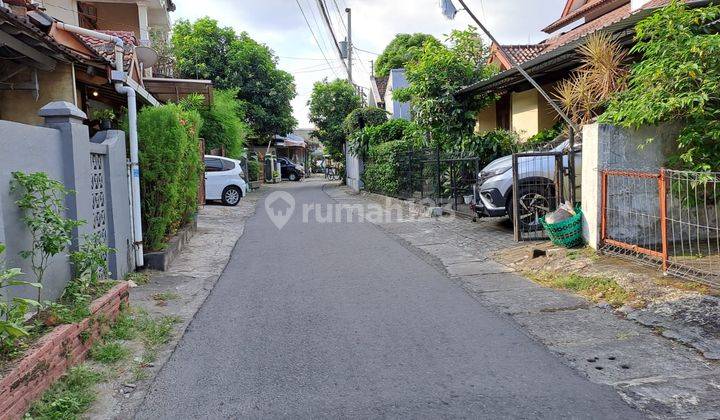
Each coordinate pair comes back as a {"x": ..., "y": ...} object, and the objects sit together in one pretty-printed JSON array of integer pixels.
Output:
[{"x": 341, "y": 320}]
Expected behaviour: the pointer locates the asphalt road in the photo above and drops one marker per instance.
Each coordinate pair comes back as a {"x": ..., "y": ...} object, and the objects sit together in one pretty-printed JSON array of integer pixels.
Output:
[{"x": 340, "y": 320}]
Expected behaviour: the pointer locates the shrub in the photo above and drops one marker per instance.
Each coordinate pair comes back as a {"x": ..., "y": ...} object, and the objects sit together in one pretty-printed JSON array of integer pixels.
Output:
[
  {"x": 223, "y": 125},
  {"x": 370, "y": 136},
  {"x": 253, "y": 169},
  {"x": 42, "y": 200},
  {"x": 170, "y": 170},
  {"x": 12, "y": 311},
  {"x": 362, "y": 118},
  {"x": 488, "y": 146},
  {"x": 383, "y": 172}
]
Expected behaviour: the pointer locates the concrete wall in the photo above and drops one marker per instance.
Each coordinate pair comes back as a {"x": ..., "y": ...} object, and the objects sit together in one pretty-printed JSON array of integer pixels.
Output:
[
  {"x": 486, "y": 119},
  {"x": 64, "y": 10},
  {"x": 397, "y": 109},
  {"x": 525, "y": 113},
  {"x": 608, "y": 147},
  {"x": 21, "y": 106},
  {"x": 62, "y": 149},
  {"x": 118, "y": 17}
]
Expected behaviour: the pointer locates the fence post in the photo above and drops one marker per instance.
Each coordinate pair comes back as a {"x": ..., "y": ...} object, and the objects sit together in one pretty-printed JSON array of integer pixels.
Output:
[
  {"x": 603, "y": 207},
  {"x": 439, "y": 180},
  {"x": 516, "y": 201},
  {"x": 662, "y": 192}
]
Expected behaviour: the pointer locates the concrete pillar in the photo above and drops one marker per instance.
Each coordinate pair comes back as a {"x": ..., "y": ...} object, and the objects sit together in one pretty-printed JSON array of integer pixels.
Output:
[
  {"x": 143, "y": 23},
  {"x": 67, "y": 119},
  {"x": 117, "y": 193},
  {"x": 590, "y": 179}
]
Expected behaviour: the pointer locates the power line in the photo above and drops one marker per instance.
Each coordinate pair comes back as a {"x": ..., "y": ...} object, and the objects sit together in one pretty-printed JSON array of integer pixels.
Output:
[
  {"x": 315, "y": 37},
  {"x": 323, "y": 11}
]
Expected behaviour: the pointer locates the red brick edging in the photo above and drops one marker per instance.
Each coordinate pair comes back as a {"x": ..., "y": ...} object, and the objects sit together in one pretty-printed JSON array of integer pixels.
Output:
[{"x": 61, "y": 348}]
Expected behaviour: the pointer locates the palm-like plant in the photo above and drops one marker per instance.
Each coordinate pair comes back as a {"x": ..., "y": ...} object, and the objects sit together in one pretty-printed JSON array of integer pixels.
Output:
[{"x": 603, "y": 73}]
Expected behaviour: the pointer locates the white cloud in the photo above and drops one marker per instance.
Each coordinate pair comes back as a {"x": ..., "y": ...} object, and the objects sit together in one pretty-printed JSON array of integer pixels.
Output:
[{"x": 280, "y": 25}]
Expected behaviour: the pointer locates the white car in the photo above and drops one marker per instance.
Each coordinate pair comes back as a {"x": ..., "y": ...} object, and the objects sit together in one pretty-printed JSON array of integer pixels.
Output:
[
  {"x": 224, "y": 180},
  {"x": 493, "y": 197}
]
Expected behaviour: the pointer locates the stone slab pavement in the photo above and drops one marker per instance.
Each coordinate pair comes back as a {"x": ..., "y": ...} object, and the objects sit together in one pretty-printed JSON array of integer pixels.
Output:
[{"x": 660, "y": 376}]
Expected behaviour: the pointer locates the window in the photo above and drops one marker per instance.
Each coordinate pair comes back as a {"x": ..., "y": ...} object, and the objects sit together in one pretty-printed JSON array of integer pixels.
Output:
[
  {"x": 213, "y": 165},
  {"x": 87, "y": 14},
  {"x": 228, "y": 165}
]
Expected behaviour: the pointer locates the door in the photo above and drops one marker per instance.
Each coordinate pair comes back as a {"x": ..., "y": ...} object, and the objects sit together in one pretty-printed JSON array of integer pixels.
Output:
[{"x": 214, "y": 181}]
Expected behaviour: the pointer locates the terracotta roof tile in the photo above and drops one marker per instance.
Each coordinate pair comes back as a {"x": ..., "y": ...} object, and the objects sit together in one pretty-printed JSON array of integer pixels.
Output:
[
  {"x": 107, "y": 49},
  {"x": 523, "y": 53},
  {"x": 579, "y": 13},
  {"x": 382, "y": 83}
]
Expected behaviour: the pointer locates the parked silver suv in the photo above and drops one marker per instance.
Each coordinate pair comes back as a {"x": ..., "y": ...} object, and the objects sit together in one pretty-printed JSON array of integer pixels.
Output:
[{"x": 493, "y": 192}]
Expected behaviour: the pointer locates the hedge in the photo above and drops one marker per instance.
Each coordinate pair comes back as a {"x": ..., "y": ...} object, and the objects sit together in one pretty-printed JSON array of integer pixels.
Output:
[
  {"x": 170, "y": 170},
  {"x": 383, "y": 173}
]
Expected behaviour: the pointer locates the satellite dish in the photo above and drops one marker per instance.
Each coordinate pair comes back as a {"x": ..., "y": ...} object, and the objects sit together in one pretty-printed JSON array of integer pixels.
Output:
[{"x": 147, "y": 56}]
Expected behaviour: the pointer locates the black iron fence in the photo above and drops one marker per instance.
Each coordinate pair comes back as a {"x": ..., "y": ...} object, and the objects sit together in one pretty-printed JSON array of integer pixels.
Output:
[{"x": 440, "y": 179}]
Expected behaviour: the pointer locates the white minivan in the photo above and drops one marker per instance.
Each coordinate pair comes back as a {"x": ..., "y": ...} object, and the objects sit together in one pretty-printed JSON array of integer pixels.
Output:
[{"x": 224, "y": 180}]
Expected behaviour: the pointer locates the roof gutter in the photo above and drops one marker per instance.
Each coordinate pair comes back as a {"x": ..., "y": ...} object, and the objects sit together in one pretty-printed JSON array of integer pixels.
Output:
[
  {"x": 571, "y": 46},
  {"x": 120, "y": 78}
]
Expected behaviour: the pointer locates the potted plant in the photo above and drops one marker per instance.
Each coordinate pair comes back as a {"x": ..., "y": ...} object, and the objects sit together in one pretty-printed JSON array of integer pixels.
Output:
[{"x": 106, "y": 117}]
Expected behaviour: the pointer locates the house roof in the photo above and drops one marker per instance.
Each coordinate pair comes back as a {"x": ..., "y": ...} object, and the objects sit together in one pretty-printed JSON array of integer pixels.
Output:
[
  {"x": 379, "y": 87},
  {"x": 553, "y": 49},
  {"x": 23, "y": 29},
  {"x": 520, "y": 53},
  {"x": 106, "y": 49},
  {"x": 571, "y": 15}
]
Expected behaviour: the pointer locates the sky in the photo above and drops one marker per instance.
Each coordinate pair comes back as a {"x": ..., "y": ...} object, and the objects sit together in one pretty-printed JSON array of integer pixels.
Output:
[{"x": 280, "y": 25}]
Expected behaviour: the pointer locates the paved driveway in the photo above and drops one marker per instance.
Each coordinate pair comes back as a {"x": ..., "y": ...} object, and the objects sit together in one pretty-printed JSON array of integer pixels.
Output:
[{"x": 340, "y": 320}]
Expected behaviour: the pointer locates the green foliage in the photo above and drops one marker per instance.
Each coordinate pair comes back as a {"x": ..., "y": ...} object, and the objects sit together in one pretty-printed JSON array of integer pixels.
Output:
[
  {"x": 170, "y": 170},
  {"x": 12, "y": 312},
  {"x": 223, "y": 125},
  {"x": 90, "y": 261},
  {"x": 330, "y": 103},
  {"x": 361, "y": 142},
  {"x": 42, "y": 201},
  {"x": 436, "y": 75},
  {"x": 402, "y": 50},
  {"x": 543, "y": 137},
  {"x": 123, "y": 328},
  {"x": 204, "y": 50},
  {"x": 253, "y": 169},
  {"x": 69, "y": 397},
  {"x": 383, "y": 171},
  {"x": 103, "y": 114},
  {"x": 487, "y": 146},
  {"x": 595, "y": 288},
  {"x": 109, "y": 352},
  {"x": 676, "y": 80},
  {"x": 364, "y": 117}
]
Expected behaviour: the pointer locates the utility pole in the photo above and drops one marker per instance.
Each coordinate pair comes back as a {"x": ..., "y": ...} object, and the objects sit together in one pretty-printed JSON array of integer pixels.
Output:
[{"x": 350, "y": 45}]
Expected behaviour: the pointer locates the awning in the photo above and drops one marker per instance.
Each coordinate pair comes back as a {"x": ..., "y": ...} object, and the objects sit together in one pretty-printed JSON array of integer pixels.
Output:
[{"x": 290, "y": 140}]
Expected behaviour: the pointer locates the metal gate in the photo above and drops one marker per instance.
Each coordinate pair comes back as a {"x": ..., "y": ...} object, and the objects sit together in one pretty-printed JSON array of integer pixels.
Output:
[{"x": 539, "y": 187}]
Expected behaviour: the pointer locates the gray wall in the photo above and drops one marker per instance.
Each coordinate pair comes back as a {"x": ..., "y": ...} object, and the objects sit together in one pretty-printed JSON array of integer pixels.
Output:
[
  {"x": 62, "y": 150},
  {"x": 607, "y": 147}
]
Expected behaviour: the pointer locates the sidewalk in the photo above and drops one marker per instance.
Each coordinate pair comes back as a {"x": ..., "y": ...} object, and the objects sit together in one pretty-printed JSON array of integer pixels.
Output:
[{"x": 660, "y": 376}]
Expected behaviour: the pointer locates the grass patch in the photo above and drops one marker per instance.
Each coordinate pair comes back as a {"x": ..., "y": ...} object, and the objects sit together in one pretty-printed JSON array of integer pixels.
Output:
[
  {"x": 687, "y": 285},
  {"x": 165, "y": 296},
  {"x": 123, "y": 328},
  {"x": 591, "y": 287},
  {"x": 155, "y": 331},
  {"x": 138, "y": 277},
  {"x": 69, "y": 397},
  {"x": 109, "y": 352}
]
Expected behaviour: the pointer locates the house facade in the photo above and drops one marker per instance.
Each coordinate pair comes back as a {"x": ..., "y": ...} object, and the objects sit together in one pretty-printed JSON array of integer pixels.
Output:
[
  {"x": 381, "y": 94},
  {"x": 520, "y": 107}
]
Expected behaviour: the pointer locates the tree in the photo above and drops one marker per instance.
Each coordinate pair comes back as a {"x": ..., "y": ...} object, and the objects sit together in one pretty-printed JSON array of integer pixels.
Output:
[
  {"x": 207, "y": 51},
  {"x": 676, "y": 80},
  {"x": 223, "y": 125},
  {"x": 436, "y": 75},
  {"x": 402, "y": 50},
  {"x": 356, "y": 125},
  {"x": 330, "y": 103}
]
